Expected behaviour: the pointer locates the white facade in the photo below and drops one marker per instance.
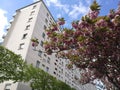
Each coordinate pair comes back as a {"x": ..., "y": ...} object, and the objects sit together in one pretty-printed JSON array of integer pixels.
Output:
[{"x": 31, "y": 21}]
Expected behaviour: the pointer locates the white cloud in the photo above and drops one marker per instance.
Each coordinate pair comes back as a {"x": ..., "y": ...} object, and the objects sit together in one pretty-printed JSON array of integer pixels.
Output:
[
  {"x": 78, "y": 10},
  {"x": 48, "y": 2},
  {"x": 59, "y": 15},
  {"x": 73, "y": 11},
  {"x": 3, "y": 23},
  {"x": 88, "y": 2},
  {"x": 35, "y": 0},
  {"x": 58, "y": 4}
]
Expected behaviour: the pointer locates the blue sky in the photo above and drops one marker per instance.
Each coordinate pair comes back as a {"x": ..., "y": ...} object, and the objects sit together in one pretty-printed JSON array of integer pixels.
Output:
[{"x": 69, "y": 9}]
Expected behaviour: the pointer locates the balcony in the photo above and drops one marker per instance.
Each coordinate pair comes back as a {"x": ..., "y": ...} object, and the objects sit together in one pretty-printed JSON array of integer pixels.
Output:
[
  {"x": 11, "y": 21},
  {"x": 8, "y": 27},
  {"x": 3, "y": 37},
  {"x": 14, "y": 14}
]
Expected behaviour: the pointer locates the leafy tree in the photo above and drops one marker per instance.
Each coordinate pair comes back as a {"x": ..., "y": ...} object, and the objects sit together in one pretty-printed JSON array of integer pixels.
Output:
[
  {"x": 41, "y": 80},
  {"x": 11, "y": 66},
  {"x": 62, "y": 86},
  {"x": 92, "y": 44}
]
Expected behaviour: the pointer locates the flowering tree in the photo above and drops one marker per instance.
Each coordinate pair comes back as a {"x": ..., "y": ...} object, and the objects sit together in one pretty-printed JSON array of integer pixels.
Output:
[{"x": 92, "y": 44}]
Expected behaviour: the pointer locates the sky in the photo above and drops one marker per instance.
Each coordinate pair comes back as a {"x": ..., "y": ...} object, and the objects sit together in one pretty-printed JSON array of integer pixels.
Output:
[{"x": 69, "y": 9}]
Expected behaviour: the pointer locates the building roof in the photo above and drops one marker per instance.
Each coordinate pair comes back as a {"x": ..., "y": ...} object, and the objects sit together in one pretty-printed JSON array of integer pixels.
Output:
[
  {"x": 28, "y": 5},
  {"x": 35, "y": 3}
]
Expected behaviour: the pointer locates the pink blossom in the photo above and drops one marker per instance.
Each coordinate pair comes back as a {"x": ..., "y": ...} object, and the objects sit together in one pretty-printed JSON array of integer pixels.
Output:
[
  {"x": 101, "y": 23},
  {"x": 93, "y": 14}
]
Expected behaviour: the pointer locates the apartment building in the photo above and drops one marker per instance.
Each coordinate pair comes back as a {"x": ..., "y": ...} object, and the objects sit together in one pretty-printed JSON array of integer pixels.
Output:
[{"x": 29, "y": 22}]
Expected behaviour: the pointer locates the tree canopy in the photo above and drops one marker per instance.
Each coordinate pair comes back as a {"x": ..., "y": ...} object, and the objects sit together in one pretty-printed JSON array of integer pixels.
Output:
[
  {"x": 41, "y": 80},
  {"x": 13, "y": 67},
  {"x": 92, "y": 44}
]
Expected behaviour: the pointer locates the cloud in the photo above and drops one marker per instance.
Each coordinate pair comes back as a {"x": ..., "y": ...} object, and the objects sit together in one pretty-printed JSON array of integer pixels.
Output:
[
  {"x": 35, "y": 0},
  {"x": 77, "y": 10},
  {"x": 88, "y": 2},
  {"x": 58, "y": 4},
  {"x": 3, "y": 23},
  {"x": 69, "y": 9},
  {"x": 59, "y": 15}
]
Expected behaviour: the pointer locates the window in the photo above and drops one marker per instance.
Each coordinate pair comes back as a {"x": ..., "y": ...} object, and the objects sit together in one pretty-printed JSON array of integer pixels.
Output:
[
  {"x": 50, "y": 22},
  {"x": 34, "y": 7},
  {"x": 21, "y": 46},
  {"x": 56, "y": 69},
  {"x": 30, "y": 19},
  {"x": 43, "y": 65},
  {"x": 45, "y": 27},
  {"x": 45, "y": 55},
  {"x": 39, "y": 53},
  {"x": 59, "y": 75},
  {"x": 47, "y": 15},
  {"x": 7, "y": 86},
  {"x": 50, "y": 18},
  {"x": 54, "y": 73},
  {"x": 48, "y": 60},
  {"x": 32, "y": 13},
  {"x": 47, "y": 69},
  {"x": 62, "y": 63},
  {"x": 41, "y": 43},
  {"x": 61, "y": 71},
  {"x": 37, "y": 64},
  {"x": 55, "y": 55},
  {"x": 24, "y": 36},
  {"x": 43, "y": 35},
  {"x": 46, "y": 21},
  {"x": 55, "y": 63},
  {"x": 27, "y": 27}
]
